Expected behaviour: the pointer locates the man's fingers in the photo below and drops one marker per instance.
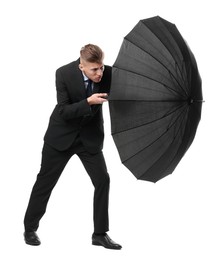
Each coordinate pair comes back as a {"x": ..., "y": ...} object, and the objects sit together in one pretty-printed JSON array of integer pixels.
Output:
[{"x": 103, "y": 95}]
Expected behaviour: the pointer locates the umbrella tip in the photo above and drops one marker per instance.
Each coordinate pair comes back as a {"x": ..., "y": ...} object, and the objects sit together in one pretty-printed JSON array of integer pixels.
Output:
[{"x": 191, "y": 101}]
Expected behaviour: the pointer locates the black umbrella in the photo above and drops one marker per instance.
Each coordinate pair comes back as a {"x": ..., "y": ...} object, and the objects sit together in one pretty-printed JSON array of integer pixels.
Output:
[{"x": 155, "y": 100}]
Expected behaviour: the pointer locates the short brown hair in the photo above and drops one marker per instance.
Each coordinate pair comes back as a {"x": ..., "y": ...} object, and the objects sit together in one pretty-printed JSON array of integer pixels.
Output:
[{"x": 91, "y": 53}]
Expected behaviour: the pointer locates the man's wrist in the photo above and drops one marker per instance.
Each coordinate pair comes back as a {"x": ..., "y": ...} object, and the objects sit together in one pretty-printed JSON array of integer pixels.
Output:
[{"x": 89, "y": 101}]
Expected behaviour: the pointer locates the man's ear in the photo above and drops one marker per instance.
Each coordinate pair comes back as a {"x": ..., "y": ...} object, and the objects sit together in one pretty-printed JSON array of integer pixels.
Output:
[{"x": 80, "y": 66}]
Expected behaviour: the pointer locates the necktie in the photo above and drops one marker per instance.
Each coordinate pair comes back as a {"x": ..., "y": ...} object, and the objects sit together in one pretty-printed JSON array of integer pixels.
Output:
[{"x": 89, "y": 88}]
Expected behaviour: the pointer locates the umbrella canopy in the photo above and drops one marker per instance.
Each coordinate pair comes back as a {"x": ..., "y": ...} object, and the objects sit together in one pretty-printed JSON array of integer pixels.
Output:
[{"x": 155, "y": 99}]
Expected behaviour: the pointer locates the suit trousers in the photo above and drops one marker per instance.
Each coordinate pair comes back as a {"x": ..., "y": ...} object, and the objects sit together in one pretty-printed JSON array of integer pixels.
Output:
[{"x": 52, "y": 165}]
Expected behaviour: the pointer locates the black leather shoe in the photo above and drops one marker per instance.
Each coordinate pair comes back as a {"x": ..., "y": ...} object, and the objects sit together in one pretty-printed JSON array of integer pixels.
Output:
[
  {"x": 32, "y": 239},
  {"x": 105, "y": 241}
]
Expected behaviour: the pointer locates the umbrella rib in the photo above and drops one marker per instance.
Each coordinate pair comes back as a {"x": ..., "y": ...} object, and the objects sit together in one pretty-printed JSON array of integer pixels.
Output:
[
  {"x": 136, "y": 73},
  {"x": 171, "y": 74},
  {"x": 179, "y": 107},
  {"x": 168, "y": 51},
  {"x": 178, "y": 119},
  {"x": 172, "y": 140},
  {"x": 177, "y": 135},
  {"x": 168, "y": 128}
]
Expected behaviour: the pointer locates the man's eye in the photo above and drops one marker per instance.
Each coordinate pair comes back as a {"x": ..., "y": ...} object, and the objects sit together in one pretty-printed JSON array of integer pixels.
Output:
[{"x": 97, "y": 69}]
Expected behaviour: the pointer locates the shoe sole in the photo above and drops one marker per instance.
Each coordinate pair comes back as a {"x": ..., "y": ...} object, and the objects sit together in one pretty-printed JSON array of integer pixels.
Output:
[
  {"x": 98, "y": 244},
  {"x": 32, "y": 244}
]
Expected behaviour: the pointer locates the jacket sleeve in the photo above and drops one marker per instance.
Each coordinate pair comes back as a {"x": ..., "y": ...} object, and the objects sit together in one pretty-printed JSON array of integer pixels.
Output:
[{"x": 67, "y": 109}]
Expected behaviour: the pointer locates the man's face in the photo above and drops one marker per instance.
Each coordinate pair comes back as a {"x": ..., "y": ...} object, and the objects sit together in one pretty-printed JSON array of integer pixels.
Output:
[{"x": 93, "y": 71}]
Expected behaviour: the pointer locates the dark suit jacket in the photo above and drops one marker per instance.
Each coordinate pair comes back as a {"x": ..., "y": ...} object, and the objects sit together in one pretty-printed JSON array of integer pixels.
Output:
[{"x": 72, "y": 117}]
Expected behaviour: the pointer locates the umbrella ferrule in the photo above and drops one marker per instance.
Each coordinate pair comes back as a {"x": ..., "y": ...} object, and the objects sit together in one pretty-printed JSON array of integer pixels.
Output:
[{"x": 191, "y": 101}]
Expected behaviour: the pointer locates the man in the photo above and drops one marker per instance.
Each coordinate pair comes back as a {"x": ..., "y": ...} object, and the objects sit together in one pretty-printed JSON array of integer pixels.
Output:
[{"x": 75, "y": 127}]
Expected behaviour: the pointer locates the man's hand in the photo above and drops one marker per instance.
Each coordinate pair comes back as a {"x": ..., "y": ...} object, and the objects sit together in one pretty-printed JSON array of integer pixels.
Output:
[{"x": 97, "y": 98}]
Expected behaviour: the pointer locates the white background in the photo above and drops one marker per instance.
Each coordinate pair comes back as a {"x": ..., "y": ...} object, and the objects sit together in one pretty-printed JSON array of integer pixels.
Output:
[{"x": 179, "y": 217}]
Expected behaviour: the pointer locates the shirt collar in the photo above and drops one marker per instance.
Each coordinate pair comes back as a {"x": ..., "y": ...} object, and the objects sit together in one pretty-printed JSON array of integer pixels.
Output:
[{"x": 84, "y": 77}]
